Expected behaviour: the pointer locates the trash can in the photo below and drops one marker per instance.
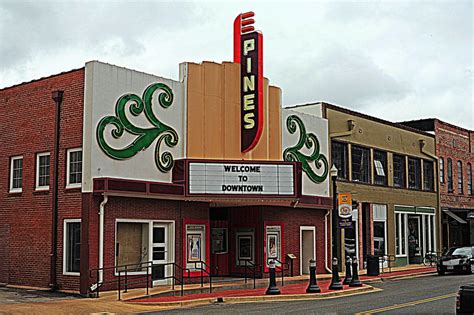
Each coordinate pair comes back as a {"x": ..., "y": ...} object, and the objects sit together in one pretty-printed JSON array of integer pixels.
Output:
[{"x": 373, "y": 267}]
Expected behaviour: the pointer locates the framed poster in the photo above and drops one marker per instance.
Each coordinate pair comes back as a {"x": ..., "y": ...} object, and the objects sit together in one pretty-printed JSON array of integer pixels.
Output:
[
  {"x": 194, "y": 243},
  {"x": 219, "y": 240},
  {"x": 273, "y": 244},
  {"x": 244, "y": 248}
]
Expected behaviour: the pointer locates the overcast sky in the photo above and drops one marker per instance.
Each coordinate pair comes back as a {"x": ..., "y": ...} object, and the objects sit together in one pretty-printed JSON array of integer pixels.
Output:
[{"x": 397, "y": 60}]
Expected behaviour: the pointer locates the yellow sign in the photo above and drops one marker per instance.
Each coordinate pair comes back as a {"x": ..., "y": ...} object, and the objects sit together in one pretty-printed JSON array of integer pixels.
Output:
[{"x": 345, "y": 205}]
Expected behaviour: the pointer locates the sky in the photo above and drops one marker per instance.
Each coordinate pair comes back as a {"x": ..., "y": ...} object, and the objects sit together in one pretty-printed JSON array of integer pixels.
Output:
[{"x": 395, "y": 60}]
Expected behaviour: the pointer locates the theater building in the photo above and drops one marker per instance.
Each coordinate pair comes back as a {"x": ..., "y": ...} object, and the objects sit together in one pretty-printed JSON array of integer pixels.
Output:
[
  {"x": 391, "y": 172},
  {"x": 109, "y": 166}
]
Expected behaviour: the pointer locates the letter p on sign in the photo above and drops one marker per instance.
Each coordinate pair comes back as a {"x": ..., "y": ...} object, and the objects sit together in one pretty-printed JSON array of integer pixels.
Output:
[{"x": 249, "y": 45}]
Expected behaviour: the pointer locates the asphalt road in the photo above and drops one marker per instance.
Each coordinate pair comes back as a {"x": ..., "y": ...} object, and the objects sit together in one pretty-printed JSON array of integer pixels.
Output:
[{"x": 423, "y": 295}]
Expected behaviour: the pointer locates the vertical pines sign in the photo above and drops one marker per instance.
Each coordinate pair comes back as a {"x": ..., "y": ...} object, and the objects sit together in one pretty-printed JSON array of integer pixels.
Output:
[{"x": 248, "y": 51}]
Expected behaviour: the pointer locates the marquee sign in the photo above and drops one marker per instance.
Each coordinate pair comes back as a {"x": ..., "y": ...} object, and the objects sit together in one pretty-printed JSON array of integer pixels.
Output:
[
  {"x": 221, "y": 178},
  {"x": 248, "y": 51}
]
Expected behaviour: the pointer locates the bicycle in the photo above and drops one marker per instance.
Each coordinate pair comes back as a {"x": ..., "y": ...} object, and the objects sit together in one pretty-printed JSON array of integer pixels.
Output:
[{"x": 430, "y": 259}]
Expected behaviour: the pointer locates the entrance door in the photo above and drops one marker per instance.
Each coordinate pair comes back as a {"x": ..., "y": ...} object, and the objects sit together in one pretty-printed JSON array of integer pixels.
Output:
[
  {"x": 414, "y": 241},
  {"x": 307, "y": 247},
  {"x": 160, "y": 252}
]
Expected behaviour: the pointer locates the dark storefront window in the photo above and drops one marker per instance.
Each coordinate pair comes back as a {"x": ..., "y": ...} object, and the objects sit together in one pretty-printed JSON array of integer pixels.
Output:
[
  {"x": 460, "y": 190},
  {"x": 399, "y": 171},
  {"x": 380, "y": 167},
  {"x": 428, "y": 181},
  {"x": 360, "y": 164},
  {"x": 414, "y": 173},
  {"x": 73, "y": 246},
  {"x": 340, "y": 158},
  {"x": 450, "y": 176}
]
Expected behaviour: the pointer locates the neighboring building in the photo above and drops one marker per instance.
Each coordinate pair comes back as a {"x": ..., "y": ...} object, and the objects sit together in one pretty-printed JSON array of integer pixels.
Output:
[
  {"x": 455, "y": 149},
  {"x": 151, "y": 169},
  {"x": 390, "y": 170}
]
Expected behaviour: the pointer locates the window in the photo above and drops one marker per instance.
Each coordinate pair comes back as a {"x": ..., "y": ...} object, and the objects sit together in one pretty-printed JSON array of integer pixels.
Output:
[
  {"x": 340, "y": 159},
  {"x": 72, "y": 247},
  {"x": 16, "y": 174},
  {"x": 428, "y": 177},
  {"x": 360, "y": 164},
  {"x": 400, "y": 234},
  {"x": 380, "y": 166},
  {"x": 414, "y": 173},
  {"x": 42, "y": 171},
  {"x": 399, "y": 171},
  {"x": 450, "y": 176},
  {"x": 74, "y": 168},
  {"x": 460, "y": 191},
  {"x": 441, "y": 170},
  {"x": 219, "y": 240},
  {"x": 469, "y": 178}
]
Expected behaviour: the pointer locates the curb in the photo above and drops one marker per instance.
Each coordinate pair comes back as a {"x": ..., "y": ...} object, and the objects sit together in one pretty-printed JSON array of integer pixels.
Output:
[
  {"x": 417, "y": 275},
  {"x": 264, "y": 298}
]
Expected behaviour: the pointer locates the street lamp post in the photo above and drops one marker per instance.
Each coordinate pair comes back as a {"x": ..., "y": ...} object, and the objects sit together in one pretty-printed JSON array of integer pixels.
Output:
[{"x": 335, "y": 281}]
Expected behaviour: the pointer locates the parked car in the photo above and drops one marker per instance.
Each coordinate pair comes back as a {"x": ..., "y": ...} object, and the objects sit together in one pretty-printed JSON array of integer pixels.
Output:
[
  {"x": 465, "y": 299},
  {"x": 456, "y": 259}
]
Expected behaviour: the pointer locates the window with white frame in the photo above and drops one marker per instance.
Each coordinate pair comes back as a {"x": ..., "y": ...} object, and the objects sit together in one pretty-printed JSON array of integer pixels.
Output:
[
  {"x": 460, "y": 190},
  {"x": 42, "y": 171},
  {"x": 400, "y": 233},
  {"x": 441, "y": 170},
  {"x": 74, "y": 168},
  {"x": 72, "y": 247},
  {"x": 16, "y": 174}
]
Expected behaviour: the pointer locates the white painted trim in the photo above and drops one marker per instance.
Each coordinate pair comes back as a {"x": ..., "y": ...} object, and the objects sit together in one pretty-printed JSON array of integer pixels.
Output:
[
  {"x": 38, "y": 155},
  {"x": 172, "y": 242},
  {"x": 68, "y": 153},
  {"x": 66, "y": 221},
  {"x": 306, "y": 228},
  {"x": 20, "y": 189}
]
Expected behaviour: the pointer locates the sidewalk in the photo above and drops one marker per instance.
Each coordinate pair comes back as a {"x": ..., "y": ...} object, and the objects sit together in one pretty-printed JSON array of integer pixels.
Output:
[{"x": 135, "y": 302}]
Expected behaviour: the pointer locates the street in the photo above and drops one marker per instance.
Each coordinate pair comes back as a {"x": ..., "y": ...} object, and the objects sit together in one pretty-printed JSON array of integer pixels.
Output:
[{"x": 427, "y": 294}]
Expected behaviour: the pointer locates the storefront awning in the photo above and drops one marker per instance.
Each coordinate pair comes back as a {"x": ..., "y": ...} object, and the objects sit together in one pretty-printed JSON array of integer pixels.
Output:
[{"x": 455, "y": 217}]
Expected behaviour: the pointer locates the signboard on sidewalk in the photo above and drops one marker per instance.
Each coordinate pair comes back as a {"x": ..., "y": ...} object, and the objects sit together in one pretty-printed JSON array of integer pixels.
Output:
[{"x": 345, "y": 210}]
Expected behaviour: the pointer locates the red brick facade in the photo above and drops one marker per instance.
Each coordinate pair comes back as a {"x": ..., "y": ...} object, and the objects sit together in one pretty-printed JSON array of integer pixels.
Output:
[
  {"x": 456, "y": 144},
  {"x": 27, "y": 116}
]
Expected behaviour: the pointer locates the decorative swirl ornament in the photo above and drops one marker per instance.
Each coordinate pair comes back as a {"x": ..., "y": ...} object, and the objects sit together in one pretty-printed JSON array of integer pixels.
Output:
[
  {"x": 145, "y": 136},
  {"x": 310, "y": 141}
]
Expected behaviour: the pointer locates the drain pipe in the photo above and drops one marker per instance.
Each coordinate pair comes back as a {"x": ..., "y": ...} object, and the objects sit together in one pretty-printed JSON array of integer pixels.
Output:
[
  {"x": 326, "y": 242},
  {"x": 57, "y": 96},
  {"x": 101, "y": 237}
]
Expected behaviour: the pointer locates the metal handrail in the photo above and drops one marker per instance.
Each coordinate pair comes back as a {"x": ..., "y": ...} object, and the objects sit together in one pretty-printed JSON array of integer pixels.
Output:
[
  {"x": 137, "y": 266},
  {"x": 282, "y": 268},
  {"x": 252, "y": 266},
  {"x": 204, "y": 270}
]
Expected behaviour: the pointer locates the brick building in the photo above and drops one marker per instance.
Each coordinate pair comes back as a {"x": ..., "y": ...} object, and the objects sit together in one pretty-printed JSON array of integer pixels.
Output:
[
  {"x": 151, "y": 169},
  {"x": 390, "y": 171},
  {"x": 455, "y": 149}
]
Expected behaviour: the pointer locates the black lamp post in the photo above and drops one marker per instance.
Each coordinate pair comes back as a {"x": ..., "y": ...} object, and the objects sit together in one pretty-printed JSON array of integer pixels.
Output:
[{"x": 335, "y": 281}]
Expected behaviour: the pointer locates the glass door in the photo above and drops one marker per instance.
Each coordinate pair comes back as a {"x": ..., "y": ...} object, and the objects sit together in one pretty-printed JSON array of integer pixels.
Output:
[
  {"x": 159, "y": 252},
  {"x": 414, "y": 241}
]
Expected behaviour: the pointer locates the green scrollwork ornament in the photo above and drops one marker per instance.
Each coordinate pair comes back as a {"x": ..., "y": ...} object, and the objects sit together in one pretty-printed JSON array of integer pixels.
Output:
[
  {"x": 145, "y": 136},
  {"x": 310, "y": 141}
]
